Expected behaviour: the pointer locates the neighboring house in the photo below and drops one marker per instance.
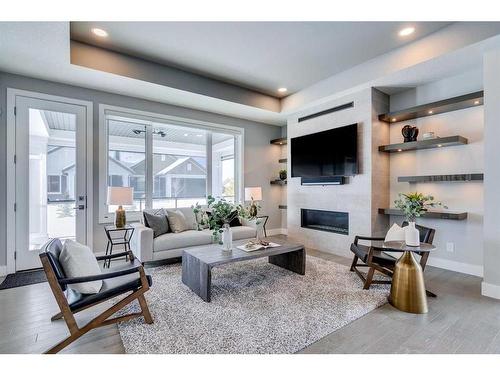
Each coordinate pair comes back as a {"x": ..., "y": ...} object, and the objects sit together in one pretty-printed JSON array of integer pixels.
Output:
[{"x": 174, "y": 176}]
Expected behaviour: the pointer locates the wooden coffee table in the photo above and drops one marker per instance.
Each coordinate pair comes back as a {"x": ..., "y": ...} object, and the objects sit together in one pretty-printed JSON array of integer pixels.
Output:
[{"x": 197, "y": 263}]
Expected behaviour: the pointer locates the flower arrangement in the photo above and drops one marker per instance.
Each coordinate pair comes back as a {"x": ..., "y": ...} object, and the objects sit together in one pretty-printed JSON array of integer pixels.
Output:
[{"x": 415, "y": 204}]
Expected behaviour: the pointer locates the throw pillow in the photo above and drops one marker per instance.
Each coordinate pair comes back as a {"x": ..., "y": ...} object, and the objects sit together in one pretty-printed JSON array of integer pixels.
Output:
[
  {"x": 177, "y": 221},
  {"x": 395, "y": 233},
  {"x": 77, "y": 260},
  {"x": 235, "y": 222},
  {"x": 158, "y": 223}
]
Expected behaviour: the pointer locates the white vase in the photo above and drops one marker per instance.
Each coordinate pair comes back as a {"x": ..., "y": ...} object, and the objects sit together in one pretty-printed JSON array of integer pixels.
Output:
[
  {"x": 227, "y": 238},
  {"x": 412, "y": 235}
]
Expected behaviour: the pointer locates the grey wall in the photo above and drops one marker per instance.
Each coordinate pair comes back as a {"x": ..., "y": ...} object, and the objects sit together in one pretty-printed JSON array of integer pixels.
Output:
[
  {"x": 466, "y": 235},
  {"x": 260, "y": 158}
]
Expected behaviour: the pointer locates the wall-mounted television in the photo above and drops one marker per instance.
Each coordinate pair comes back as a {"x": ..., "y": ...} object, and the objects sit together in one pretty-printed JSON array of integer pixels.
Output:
[{"x": 328, "y": 153}]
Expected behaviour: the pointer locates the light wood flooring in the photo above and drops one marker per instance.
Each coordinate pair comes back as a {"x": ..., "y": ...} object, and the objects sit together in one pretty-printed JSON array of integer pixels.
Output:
[{"x": 460, "y": 320}]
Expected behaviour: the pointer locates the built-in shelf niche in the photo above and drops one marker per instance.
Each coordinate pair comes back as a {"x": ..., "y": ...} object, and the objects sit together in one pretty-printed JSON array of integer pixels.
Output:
[
  {"x": 453, "y": 140},
  {"x": 279, "y": 141},
  {"x": 278, "y": 182},
  {"x": 443, "y": 178},
  {"x": 442, "y": 106},
  {"x": 434, "y": 214}
]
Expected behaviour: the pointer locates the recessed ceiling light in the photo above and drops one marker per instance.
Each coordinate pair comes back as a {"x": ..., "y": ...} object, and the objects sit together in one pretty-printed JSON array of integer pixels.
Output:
[
  {"x": 199, "y": 135},
  {"x": 99, "y": 32},
  {"x": 282, "y": 89},
  {"x": 407, "y": 31},
  {"x": 186, "y": 134}
]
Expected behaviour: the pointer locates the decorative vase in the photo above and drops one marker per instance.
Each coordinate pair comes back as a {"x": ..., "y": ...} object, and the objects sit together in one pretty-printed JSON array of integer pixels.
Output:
[
  {"x": 227, "y": 238},
  {"x": 412, "y": 235},
  {"x": 410, "y": 133},
  {"x": 283, "y": 175}
]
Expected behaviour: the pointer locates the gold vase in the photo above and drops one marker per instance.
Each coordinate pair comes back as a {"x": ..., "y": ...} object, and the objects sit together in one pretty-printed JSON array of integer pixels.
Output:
[
  {"x": 408, "y": 288},
  {"x": 120, "y": 219}
]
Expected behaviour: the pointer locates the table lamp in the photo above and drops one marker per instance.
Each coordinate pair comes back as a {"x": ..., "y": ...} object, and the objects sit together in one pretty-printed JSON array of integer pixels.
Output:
[
  {"x": 253, "y": 194},
  {"x": 120, "y": 196}
]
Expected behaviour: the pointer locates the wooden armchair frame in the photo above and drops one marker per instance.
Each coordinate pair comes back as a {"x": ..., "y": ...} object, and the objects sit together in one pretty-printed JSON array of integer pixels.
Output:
[{"x": 57, "y": 285}]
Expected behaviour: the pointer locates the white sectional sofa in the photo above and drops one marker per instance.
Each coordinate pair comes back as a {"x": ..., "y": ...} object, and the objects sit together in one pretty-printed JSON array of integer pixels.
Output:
[{"x": 170, "y": 245}]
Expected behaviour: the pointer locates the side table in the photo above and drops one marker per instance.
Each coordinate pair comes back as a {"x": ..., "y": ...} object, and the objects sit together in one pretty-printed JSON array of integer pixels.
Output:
[{"x": 113, "y": 240}]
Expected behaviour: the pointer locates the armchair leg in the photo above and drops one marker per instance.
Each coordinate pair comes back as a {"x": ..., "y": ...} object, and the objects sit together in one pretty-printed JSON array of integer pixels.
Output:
[
  {"x": 145, "y": 309},
  {"x": 369, "y": 278},
  {"x": 354, "y": 263}
]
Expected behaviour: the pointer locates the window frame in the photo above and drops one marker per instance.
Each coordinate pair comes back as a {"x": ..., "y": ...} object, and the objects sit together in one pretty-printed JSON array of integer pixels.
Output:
[{"x": 147, "y": 118}]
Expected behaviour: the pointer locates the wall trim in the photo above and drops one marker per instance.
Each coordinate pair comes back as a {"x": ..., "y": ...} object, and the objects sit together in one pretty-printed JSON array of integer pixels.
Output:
[
  {"x": 451, "y": 265},
  {"x": 490, "y": 290},
  {"x": 3, "y": 271}
]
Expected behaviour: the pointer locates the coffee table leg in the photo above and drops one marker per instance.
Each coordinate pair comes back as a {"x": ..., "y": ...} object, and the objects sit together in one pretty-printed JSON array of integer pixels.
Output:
[
  {"x": 294, "y": 261},
  {"x": 197, "y": 276}
]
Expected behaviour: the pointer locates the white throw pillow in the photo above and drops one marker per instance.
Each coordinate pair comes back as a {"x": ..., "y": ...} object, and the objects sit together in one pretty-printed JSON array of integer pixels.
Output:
[
  {"x": 77, "y": 260},
  {"x": 396, "y": 233},
  {"x": 177, "y": 221}
]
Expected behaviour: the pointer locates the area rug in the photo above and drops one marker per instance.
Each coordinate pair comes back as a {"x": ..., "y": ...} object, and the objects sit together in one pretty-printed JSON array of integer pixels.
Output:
[
  {"x": 256, "y": 308},
  {"x": 23, "y": 278}
]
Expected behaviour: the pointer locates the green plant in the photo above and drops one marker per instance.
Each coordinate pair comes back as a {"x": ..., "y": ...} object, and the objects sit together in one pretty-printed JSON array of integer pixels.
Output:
[
  {"x": 282, "y": 174},
  {"x": 415, "y": 204}
]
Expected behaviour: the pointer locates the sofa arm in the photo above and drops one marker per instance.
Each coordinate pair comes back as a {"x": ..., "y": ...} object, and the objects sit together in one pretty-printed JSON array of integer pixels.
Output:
[{"x": 141, "y": 242}]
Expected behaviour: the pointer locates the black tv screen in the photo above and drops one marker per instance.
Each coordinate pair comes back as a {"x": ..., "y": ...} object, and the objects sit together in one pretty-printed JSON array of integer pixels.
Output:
[{"x": 328, "y": 153}]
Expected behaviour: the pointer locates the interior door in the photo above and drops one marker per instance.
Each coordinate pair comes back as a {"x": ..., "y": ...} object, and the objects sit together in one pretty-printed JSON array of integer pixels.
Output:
[{"x": 50, "y": 176}]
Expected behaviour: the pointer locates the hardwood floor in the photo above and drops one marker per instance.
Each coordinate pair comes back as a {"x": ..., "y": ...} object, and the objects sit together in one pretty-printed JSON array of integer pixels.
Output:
[{"x": 460, "y": 320}]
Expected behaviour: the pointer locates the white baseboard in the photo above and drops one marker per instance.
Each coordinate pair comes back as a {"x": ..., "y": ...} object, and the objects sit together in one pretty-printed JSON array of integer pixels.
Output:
[
  {"x": 469, "y": 269},
  {"x": 276, "y": 231},
  {"x": 3, "y": 271},
  {"x": 490, "y": 290}
]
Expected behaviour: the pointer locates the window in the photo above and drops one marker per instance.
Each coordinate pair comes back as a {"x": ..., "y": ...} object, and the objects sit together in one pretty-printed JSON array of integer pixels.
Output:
[
  {"x": 168, "y": 162},
  {"x": 54, "y": 184}
]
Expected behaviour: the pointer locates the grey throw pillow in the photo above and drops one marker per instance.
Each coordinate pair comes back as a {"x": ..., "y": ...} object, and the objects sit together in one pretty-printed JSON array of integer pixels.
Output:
[{"x": 157, "y": 222}]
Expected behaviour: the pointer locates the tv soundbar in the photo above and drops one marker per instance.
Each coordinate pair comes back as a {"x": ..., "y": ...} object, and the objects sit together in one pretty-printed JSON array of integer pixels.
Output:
[{"x": 329, "y": 180}]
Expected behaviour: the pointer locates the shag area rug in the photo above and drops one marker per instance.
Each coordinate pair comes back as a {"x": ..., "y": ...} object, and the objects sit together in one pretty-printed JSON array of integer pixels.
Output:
[{"x": 256, "y": 308}]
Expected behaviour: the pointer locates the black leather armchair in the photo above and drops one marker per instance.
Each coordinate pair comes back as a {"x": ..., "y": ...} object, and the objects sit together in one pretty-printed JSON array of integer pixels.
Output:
[
  {"x": 376, "y": 259},
  {"x": 126, "y": 278}
]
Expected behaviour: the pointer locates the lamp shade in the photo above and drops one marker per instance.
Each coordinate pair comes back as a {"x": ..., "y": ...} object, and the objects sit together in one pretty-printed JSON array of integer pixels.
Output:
[
  {"x": 120, "y": 196},
  {"x": 254, "y": 193}
]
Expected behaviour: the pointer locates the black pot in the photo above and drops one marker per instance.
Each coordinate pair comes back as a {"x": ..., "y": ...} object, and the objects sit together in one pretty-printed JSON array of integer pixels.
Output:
[{"x": 283, "y": 175}]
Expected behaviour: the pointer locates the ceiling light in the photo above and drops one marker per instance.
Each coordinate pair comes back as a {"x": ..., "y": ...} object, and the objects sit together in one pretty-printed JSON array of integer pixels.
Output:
[
  {"x": 99, "y": 32},
  {"x": 282, "y": 89},
  {"x": 186, "y": 134},
  {"x": 407, "y": 31},
  {"x": 199, "y": 135}
]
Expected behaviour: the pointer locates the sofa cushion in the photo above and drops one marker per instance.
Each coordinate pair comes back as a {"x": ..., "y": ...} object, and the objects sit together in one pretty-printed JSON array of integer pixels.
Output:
[
  {"x": 242, "y": 232},
  {"x": 157, "y": 222},
  {"x": 184, "y": 239}
]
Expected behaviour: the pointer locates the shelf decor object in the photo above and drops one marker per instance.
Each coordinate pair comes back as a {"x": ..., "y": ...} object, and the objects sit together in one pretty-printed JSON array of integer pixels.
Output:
[
  {"x": 282, "y": 206},
  {"x": 443, "y": 178},
  {"x": 453, "y": 140},
  {"x": 279, "y": 141},
  {"x": 278, "y": 182},
  {"x": 283, "y": 161},
  {"x": 434, "y": 214},
  {"x": 435, "y": 108}
]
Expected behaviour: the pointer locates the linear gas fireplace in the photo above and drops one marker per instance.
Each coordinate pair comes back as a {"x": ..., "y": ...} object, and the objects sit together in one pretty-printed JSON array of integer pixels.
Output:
[{"x": 328, "y": 221}]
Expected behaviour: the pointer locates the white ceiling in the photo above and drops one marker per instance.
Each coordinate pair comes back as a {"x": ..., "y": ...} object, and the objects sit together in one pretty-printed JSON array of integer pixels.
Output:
[{"x": 259, "y": 55}]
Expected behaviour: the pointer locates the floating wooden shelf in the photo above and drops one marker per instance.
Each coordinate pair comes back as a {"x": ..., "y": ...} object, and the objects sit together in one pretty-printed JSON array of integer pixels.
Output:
[
  {"x": 429, "y": 214},
  {"x": 279, "y": 141},
  {"x": 282, "y": 206},
  {"x": 435, "y": 108},
  {"x": 278, "y": 182},
  {"x": 453, "y": 140},
  {"x": 443, "y": 178},
  {"x": 283, "y": 160}
]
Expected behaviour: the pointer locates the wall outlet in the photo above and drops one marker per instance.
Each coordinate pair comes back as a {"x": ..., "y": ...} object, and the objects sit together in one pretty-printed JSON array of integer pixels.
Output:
[{"x": 450, "y": 247}]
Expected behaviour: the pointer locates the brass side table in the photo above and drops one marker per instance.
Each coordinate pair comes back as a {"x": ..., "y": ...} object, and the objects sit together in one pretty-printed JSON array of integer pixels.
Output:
[
  {"x": 408, "y": 288},
  {"x": 113, "y": 240}
]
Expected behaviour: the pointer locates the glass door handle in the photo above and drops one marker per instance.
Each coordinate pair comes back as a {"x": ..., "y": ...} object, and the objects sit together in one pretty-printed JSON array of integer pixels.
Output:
[{"x": 79, "y": 207}]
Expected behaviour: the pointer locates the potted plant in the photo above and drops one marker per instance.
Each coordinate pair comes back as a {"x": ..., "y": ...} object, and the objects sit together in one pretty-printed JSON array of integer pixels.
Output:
[
  {"x": 282, "y": 174},
  {"x": 414, "y": 205}
]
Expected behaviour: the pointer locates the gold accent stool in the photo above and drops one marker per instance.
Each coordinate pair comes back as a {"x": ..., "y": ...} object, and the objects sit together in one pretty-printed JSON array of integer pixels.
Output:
[{"x": 408, "y": 288}]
